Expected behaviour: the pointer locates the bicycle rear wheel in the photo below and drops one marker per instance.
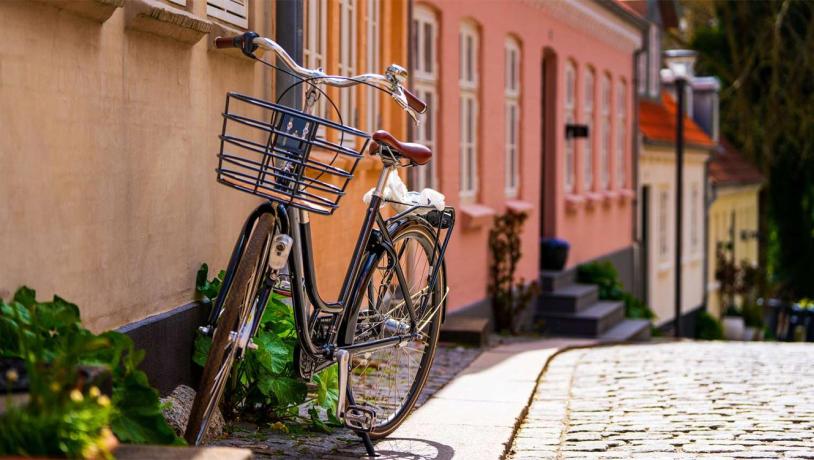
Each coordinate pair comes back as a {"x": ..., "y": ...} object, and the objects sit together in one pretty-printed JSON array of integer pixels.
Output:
[
  {"x": 238, "y": 305},
  {"x": 390, "y": 380}
]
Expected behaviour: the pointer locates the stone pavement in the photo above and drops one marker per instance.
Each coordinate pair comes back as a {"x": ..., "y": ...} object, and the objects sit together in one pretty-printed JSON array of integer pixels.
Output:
[
  {"x": 673, "y": 400},
  {"x": 449, "y": 361}
]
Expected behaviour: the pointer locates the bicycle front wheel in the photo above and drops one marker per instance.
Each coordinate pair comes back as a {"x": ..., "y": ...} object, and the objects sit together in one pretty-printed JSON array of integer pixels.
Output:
[
  {"x": 241, "y": 298},
  {"x": 390, "y": 380}
]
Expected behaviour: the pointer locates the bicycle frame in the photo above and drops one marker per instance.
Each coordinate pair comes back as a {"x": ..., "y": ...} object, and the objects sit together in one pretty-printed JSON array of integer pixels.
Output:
[{"x": 373, "y": 240}]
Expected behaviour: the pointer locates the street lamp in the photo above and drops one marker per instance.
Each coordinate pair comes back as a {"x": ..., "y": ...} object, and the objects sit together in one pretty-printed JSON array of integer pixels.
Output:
[{"x": 680, "y": 67}]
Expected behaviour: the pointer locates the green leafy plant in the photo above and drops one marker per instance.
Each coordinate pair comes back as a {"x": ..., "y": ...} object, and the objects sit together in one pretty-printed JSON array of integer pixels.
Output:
[
  {"x": 604, "y": 275},
  {"x": 59, "y": 419},
  {"x": 509, "y": 296},
  {"x": 707, "y": 327},
  {"x": 265, "y": 385}
]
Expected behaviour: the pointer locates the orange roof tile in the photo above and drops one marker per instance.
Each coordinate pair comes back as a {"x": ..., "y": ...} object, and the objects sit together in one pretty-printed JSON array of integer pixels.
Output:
[
  {"x": 729, "y": 167},
  {"x": 657, "y": 122}
]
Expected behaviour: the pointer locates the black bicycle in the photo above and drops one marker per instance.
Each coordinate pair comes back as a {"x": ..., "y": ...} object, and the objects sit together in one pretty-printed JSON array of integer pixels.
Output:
[{"x": 383, "y": 329}]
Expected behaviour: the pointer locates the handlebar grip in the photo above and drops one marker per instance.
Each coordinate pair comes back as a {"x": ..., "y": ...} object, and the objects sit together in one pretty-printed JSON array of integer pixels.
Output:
[
  {"x": 228, "y": 42},
  {"x": 414, "y": 102}
]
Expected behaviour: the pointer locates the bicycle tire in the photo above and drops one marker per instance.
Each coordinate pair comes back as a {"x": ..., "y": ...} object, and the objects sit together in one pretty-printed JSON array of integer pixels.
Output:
[
  {"x": 222, "y": 353},
  {"x": 423, "y": 235}
]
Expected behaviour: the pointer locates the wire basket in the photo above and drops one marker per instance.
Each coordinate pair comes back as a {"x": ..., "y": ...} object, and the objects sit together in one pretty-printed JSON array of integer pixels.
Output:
[{"x": 285, "y": 155}]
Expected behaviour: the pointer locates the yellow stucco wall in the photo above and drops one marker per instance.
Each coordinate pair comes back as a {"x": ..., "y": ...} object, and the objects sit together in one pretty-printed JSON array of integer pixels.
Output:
[
  {"x": 733, "y": 211},
  {"x": 657, "y": 169},
  {"x": 108, "y": 138}
]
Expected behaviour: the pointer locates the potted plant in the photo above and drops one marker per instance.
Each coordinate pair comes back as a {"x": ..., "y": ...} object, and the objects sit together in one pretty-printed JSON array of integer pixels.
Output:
[
  {"x": 554, "y": 253},
  {"x": 734, "y": 326}
]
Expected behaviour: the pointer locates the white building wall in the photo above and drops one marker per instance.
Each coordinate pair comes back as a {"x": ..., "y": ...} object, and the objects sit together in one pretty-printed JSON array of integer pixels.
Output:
[{"x": 658, "y": 170}]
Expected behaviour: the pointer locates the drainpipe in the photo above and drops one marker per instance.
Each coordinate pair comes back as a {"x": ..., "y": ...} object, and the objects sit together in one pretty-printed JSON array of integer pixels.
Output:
[
  {"x": 638, "y": 276},
  {"x": 289, "y": 36}
]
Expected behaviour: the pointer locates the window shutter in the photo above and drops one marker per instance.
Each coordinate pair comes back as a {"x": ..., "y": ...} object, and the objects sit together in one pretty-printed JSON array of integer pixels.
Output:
[{"x": 231, "y": 11}]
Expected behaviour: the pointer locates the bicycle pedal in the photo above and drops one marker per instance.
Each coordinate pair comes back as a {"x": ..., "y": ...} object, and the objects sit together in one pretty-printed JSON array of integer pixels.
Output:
[{"x": 360, "y": 418}]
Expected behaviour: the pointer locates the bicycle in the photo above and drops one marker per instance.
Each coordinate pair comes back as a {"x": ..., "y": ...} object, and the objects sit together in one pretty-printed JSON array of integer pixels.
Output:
[{"x": 384, "y": 327}]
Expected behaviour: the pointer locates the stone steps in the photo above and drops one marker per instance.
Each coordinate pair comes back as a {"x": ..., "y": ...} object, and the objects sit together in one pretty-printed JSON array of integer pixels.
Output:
[{"x": 569, "y": 308}]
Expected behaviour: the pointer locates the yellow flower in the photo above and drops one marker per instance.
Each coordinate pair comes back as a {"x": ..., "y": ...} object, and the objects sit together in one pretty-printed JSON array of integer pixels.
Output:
[
  {"x": 103, "y": 401},
  {"x": 76, "y": 396},
  {"x": 279, "y": 426},
  {"x": 94, "y": 392},
  {"x": 12, "y": 376}
]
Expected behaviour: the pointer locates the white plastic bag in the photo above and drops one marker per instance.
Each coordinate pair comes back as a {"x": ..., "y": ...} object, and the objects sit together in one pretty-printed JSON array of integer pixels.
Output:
[{"x": 396, "y": 191}]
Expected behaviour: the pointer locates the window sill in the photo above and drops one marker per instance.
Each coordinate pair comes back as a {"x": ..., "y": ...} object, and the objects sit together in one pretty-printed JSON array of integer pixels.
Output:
[
  {"x": 626, "y": 194},
  {"x": 162, "y": 19},
  {"x": 475, "y": 215},
  {"x": 97, "y": 10},
  {"x": 573, "y": 202},
  {"x": 591, "y": 199},
  {"x": 519, "y": 206},
  {"x": 608, "y": 196}
]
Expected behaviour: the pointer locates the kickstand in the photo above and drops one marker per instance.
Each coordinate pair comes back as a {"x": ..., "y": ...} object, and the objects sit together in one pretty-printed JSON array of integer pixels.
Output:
[{"x": 371, "y": 451}]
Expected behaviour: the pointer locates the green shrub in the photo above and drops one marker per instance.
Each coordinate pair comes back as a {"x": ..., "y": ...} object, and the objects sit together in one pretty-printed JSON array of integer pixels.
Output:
[
  {"x": 265, "y": 385},
  {"x": 61, "y": 419},
  {"x": 604, "y": 275},
  {"x": 707, "y": 327}
]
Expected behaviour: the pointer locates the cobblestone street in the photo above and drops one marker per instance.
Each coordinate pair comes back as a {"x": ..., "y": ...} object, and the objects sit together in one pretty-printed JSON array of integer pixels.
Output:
[{"x": 674, "y": 400}]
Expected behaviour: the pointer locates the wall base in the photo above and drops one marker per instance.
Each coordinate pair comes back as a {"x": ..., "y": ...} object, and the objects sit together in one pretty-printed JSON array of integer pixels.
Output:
[{"x": 168, "y": 340}]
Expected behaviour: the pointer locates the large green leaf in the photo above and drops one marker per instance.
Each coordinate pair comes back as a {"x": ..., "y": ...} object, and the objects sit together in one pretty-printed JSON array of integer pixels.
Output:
[
  {"x": 287, "y": 390},
  {"x": 272, "y": 352}
]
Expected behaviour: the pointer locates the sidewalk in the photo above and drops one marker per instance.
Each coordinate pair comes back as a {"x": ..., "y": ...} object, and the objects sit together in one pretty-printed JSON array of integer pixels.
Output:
[{"x": 475, "y": 415}]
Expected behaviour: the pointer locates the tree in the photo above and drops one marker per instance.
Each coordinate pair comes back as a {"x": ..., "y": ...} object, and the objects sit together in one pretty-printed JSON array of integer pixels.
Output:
[{"x": 763, "y": 53}]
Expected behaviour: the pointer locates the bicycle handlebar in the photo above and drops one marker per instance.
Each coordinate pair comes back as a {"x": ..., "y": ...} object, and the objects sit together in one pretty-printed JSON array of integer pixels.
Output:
[{"x": 392, "y": 81}]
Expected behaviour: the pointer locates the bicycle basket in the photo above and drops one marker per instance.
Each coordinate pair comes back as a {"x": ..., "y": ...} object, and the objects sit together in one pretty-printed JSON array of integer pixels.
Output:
[{"x": 285, "y": 155}]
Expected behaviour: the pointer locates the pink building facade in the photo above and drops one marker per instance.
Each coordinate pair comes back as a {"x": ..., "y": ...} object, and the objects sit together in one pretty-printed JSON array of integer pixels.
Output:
[{"x": 504, "y": 79}]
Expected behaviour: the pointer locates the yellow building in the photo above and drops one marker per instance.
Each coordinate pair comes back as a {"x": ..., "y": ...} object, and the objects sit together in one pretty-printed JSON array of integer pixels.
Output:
[
  {"x": 732, "y": 216},
  {"x": 108, "y": 142}
]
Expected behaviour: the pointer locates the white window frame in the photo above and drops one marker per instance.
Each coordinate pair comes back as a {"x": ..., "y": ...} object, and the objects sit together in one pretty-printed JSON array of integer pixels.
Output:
[
  {"x": 373, "y": 17},
  {"x": 235, "y": 12},
  {"x": 347, "y": 62},
  {"x": 621, "y": 134},
  {"x": 315, "y": 45},
  {"x": 588, "y": 98},
  {"x": 425, "y": 79},
  {"x": 469, "y": 78},
  {"x": 570, "y": 95},
  {"x": 512, "y": 70},
  {"x": 695, "y": 206},
  {"x": 663, "y": 216},
  {"x": 605, "y": 140}
]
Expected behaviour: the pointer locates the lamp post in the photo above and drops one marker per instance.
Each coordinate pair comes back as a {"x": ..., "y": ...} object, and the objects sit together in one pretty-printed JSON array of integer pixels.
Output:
[{"x": 680, "y": 68}]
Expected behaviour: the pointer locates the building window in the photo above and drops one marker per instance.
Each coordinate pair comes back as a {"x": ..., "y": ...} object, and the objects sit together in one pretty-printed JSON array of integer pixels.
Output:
[
  {"x": 605, "y": 147},
  {"x": 425, "y": 78},
  {"x": 587, "y": 149},
  {"x": 512, "y": 93},
  {"x": 621, "y": 131},
  {"x": 372, "y": 26},
  {"x": 315, "y": 44},
  {"x": 570, "y": 107},
  {"x": 469, "y": 109},
  {"x": 664, "y": 208},
  {"x": 695, "y": 199},
  {"x": 347, "y": 60},
  {"x": 231, "y": 11}
]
